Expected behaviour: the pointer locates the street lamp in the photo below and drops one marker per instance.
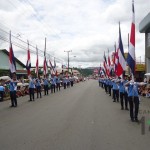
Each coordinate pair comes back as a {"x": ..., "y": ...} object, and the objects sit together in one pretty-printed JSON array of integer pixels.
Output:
[{"x": 68, "y": 58}]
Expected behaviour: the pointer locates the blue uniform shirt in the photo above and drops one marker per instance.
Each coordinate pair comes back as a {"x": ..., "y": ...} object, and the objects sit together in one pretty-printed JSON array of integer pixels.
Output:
[
  {"x": 58, "y": 80},
  {"x": 12, "y": 86},
  {"x": 38, "y": 83},
  {"x": 115, "y": 86},
  {"x": 31, "y": 83},
  {"x": 121, "y": 87},
  {"x": 133, "y": 90},
  {"x": 45, "y": 81}
]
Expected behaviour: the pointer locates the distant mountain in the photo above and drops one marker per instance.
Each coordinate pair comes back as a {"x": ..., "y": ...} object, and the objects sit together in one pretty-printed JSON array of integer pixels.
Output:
[{"x": 92, "y": 68}]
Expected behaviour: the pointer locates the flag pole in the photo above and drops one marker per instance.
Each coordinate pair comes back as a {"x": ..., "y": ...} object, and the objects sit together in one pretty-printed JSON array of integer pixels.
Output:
[
  {"x": 37, "y": 65},
  {"x": 44, "y": 69}
]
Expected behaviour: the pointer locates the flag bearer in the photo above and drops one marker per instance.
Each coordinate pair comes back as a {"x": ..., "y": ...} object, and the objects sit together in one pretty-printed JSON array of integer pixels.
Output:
[
  {"x": 13, "y": 89},
  {"x": 46, "y": 82},
  {"x": 31, "y": 88},
  {"x": 133, "y": 99}
]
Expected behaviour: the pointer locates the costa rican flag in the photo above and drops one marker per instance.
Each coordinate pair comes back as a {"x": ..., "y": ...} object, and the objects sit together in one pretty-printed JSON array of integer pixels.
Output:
[
  {"x": 37, "y": 63},
  {"x": 105, "y": 65},
  {"x": 131, "y": 53},
  {"x": 12, "y": 63},
  {"x": 121, "y": 66},
  {"x": 116, "y": 61},
  {"x": 28, "y": 64}
]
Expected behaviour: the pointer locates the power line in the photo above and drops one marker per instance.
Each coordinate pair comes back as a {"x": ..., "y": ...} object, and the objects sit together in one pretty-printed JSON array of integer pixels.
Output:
[{"x": 24, "y": 47}]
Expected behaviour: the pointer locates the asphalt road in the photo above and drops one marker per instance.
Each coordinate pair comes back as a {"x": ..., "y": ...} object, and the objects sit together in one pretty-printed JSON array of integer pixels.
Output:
[{"x": 78, "y": 118}]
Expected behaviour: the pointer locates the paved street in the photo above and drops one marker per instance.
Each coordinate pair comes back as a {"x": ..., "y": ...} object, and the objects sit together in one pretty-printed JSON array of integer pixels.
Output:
[{"x": 78, "y": 118}]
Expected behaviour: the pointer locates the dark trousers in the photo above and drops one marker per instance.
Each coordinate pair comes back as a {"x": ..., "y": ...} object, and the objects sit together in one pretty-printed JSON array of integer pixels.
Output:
[
  {"x": 134, "y": 107},
  {"x": 38, "y": 89},
  {"x": 123, "y": 99},
  {"x": 53, "y": 88},
  {"x": 46, "y": 89},
  {"x": 72, "y": 83},
  {"x": 58, "y": 86},
  {"x": 13, "y": 98},
  {"x": 31, "y": 93},
  {"x": 102, "y": 85},
  {"x": 2, "y": 95},
  {"x": 99, "y": 83},
  {"x": 109, "y": 89},
  {"x": 116, "y": 95},
  {"x": 64, "y": 85},
  {"x": 105, "y": 86}
]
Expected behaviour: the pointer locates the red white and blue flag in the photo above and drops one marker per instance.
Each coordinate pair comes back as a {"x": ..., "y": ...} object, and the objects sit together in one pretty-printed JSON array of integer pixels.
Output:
[
  {"x": 12, "y": 63},
  {"x": 105, "y": 65},
  {"x": 131, "y": 53},
  {"x": 121, "y": 63},
  {"x": 37, "y": 62},
  {"x": 109, "y": 65},
  {"x": 28, "y": 64},
  {"x": 116, "y": 61}
]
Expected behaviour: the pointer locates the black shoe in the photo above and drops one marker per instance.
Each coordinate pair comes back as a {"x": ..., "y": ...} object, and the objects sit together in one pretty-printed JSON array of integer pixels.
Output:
[
  {"x": 29, "y": 100},
  {"x": 122, "y": 108},
  {"x": 126, "y": 109},
  {"x": 114, "y": 101},
  {"x": 132, "y": 120},
  {"x": 11, "y": 106}
]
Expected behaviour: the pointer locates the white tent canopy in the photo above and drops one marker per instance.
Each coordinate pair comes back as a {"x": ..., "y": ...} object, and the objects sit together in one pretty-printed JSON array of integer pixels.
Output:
[
  {"x": 5, "y": 78},
  {"x": 147, "y": 74}
]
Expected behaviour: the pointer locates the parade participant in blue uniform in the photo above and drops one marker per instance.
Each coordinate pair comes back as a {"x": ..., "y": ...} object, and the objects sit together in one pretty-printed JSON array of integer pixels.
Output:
[
  {"x": 31, "y": 88},
  {"x": 102, "y": 82},
  {"x": 133, "y": 98},
  {"x": 71, "y": 81},
  {"x": 105, "y": 84},
  {"x": 2, "y": 90},
  {"x": 13, "y": 89},
  {"x": 46, "y": 82},
  {"x": 122, "y": 93},
  {"x": 64, "y": 82},
  {"x": 99, "y": 81},
  {"x": 58, "y": 83},
  {"x": 38, "y": 87},
  {"x": 115, "y": 90},
  {"x": 53, "y": 84},
  {"x": 68, "y": 82},
  {"x": 109, "y": 86}
]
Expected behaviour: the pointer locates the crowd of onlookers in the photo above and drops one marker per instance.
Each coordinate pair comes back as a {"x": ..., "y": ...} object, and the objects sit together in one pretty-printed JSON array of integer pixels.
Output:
[{"x": 145, "y": 90}]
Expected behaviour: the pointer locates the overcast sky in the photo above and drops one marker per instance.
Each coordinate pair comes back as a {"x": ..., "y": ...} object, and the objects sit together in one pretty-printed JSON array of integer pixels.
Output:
[{"x": 87, "y": 27}]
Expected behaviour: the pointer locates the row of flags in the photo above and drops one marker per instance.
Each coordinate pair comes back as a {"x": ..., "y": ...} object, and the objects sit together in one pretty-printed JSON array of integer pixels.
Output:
[
  {"x": 12, "y": 63},
  {"x": 119, "y": 61}
]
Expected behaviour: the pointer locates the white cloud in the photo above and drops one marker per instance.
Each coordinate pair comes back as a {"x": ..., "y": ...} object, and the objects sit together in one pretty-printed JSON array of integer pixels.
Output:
[{"x": 88, "y": 28}]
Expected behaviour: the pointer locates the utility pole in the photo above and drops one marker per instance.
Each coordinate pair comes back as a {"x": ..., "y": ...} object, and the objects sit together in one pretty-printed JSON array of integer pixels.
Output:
[{"x": 68, "y": 58}]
